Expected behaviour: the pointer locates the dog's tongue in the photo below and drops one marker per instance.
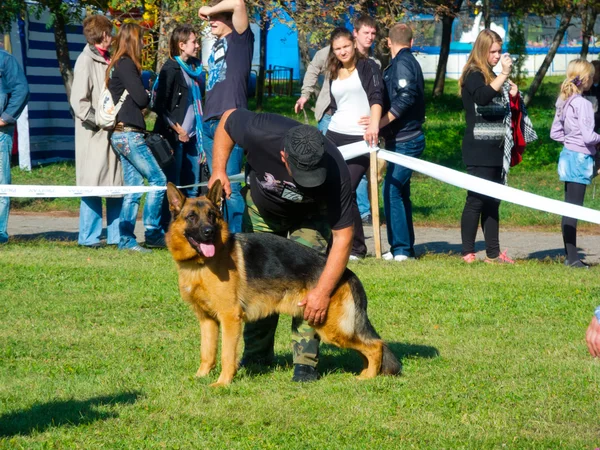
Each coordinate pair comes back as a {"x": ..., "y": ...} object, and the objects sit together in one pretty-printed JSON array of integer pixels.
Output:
[{"x": 208, "y": 250}]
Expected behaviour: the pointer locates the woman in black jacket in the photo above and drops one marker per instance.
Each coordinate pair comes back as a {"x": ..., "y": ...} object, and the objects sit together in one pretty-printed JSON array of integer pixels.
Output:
[
  {"x": 356, "y": 88},
  {"x": 178, "y": 108},
  {"x": 483, "y": 142},
  {"x": 124, "y": 73}
]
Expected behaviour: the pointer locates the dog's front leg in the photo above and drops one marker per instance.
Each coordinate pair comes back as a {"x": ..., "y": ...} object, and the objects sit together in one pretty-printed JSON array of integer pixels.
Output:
[
  {"x": 209, "y": 336},
  {"x": 231, "y": 324}
]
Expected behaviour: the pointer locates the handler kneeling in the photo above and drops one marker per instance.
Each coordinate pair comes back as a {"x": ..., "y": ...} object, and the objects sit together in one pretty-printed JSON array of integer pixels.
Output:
[{"x": 299, "y": 188}]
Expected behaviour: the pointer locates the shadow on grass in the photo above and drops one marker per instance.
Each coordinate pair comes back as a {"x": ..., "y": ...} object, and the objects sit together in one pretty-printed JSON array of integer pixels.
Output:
[
  {"x": 41, "y": 417},
  {"x": 63, "y": 236},
  {"x": 335, "y": 359}
]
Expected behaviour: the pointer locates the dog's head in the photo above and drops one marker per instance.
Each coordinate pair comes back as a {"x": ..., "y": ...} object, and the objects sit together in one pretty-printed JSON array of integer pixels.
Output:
[{"x": 197, "y": 226}]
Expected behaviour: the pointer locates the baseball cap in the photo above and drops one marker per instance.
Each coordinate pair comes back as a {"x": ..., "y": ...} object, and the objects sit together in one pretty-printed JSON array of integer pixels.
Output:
[{"x": 305, "y": 149}]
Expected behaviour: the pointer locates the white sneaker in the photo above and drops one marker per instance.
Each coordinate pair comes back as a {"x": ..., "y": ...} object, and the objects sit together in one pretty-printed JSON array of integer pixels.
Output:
[
  {"x": 353, "y": 258},
  {"x": 401, "y": 258},
  {"x": 387, "y": 256}
]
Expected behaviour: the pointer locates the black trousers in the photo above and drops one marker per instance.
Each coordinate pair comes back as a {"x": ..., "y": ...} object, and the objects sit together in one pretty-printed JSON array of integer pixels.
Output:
[
  {"x": 574, "y": 193},
  {"x": 357, "y": 168},
  {"x": 481, "y": 207}
]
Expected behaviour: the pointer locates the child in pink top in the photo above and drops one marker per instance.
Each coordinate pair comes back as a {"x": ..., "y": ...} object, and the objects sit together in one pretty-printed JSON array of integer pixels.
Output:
[{"x": 573, "y": 126}]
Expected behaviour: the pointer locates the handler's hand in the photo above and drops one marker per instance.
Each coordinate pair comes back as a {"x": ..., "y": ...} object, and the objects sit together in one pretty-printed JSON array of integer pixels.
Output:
[
  {"x": 592, "y": 337},
  {"x": 316, "y": 307},
  {"x": 224, "y": 181},
  {"x": 204, "y": 12},
  {"x": 2, "y": 123},
  {"x": 300, "y": 104}
]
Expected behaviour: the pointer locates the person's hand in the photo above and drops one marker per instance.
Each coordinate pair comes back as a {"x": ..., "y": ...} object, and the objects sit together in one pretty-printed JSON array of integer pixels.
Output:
[
  {"x": 316, "y": 307},
  {"x": 372, "y": 135},
  {"x": 204, "y": 12},
  {"x": 224, "y": 182},
  {"x": 2, "y": 123},
  {"x": 181, "y": 133},
  {"x": 514, "y": 89},
  {"x": 300, "y": 104},
  {"x": 506, "y": 62},
  {"x": 364, "y": 121},
  {"x": 592, "y": 337}
]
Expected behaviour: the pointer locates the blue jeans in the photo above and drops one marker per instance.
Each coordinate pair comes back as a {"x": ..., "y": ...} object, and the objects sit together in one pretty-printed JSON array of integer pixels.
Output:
[
  {"x": 186, "y": 168},
  {"x": 362, "y": 198},
  {"x": 139, "y": 163},
  {"x": 396, "y": 199},
  {"x": 235, "y": 204},
  {"x": 90, "y": 220},
  {"x": 323, "y": 124},
  {"x": 5, "y": 150}
]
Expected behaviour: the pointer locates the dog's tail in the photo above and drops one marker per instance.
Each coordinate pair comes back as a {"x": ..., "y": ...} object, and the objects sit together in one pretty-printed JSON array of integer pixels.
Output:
[{"x": 363, "y": 328}]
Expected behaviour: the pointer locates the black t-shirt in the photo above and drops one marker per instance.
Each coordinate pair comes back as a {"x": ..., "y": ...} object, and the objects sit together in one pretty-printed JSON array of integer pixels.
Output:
[
  {"x": 228, "y": 71},
  {"x": 272, "y": 188}
]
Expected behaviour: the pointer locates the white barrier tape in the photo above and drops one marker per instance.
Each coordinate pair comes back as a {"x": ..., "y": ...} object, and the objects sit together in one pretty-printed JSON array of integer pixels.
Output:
[
  {"x": 19, "y": 190},
  {"x": 492, "y": 189},
  {"x": 357, "y": 149}
]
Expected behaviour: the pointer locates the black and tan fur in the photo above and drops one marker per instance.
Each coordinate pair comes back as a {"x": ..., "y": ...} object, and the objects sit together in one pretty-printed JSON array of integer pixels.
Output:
[{"x": 254, "y": 275}]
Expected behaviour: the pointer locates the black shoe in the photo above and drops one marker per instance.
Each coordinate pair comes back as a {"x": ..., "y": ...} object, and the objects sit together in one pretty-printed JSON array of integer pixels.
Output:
[
  {"x": 156, "y": 243},
  {"x": 579, "y": 264},
  {"x": 304, "y": 373},
  {"x": 367, "y": 220}
]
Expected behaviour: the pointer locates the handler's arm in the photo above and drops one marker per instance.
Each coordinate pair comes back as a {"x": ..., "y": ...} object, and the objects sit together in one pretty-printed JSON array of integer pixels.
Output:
[
  {"x": 222, "y": 146},
  {"x": 317, "y": 300}
]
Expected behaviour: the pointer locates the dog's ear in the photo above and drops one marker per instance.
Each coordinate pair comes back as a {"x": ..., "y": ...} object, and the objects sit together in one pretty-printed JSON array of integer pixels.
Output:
[
  {"x": 176, "y": 199},
  {"x": 215, "y": 194}
]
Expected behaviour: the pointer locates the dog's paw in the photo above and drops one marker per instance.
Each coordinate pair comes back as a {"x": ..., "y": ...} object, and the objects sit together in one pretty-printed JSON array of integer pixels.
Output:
[
  {"x": 203, "y": 371},
  {"x": 219, "y": 384}
]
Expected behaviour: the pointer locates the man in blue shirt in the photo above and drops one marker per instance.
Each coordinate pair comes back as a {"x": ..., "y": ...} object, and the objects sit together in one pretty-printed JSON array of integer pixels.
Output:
[
  {"x": 14, "y": 93},
  {"x": 227, "y": 86}
]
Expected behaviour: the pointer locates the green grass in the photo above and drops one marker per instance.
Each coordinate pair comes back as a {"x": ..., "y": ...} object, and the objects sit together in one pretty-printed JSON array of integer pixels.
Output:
[
  {"x": 435, "y": 203},
  {"x": 99, "y": 351}
]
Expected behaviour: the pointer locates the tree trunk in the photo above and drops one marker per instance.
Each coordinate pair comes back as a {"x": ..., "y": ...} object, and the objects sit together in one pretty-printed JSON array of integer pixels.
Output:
[
  {"x": 588, "y": 19},
  {"x": 304, "y": 49},
  {"x": 487, "y": 14},
  {"x": 262, "y": 67},
  {"x": 166, "y": 27},
  {"x": 62, "y": 51},
  {"x": 440, "y": 74},
  {"x": 558, "y": 37}
]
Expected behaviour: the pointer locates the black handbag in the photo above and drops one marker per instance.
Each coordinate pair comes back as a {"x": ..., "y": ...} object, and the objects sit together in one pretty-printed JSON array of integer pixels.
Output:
[{"x": 160, "y": 148}]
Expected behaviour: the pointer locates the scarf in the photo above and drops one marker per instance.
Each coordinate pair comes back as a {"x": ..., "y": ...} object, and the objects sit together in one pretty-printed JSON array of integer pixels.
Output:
[
  {"x": 195, "y": 75},
  {"x": 529, "y": 133}
]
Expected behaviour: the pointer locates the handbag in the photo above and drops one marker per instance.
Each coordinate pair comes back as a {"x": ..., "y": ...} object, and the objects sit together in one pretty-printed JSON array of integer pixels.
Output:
[{"x": 160, "y": 148}]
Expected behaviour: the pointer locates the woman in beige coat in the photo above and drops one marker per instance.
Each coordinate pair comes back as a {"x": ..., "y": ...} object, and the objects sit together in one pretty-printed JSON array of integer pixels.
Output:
[{"x": 96, "y": 163}]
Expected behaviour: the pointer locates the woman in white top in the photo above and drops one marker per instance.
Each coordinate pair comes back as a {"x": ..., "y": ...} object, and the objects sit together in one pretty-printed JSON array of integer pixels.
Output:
[{"x": 357, "y": 90}]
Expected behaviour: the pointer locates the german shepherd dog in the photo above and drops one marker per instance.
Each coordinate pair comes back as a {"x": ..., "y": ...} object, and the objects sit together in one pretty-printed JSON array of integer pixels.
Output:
[{"x": 231, "y": 279}]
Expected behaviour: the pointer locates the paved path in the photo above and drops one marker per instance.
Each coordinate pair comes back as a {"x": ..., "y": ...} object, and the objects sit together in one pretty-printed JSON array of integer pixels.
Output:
[{"x": 520, "y": 244}]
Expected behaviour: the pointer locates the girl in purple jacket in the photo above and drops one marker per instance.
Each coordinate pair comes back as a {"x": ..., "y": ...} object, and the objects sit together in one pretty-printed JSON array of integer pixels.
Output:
[{"x": 573, "y": 127}]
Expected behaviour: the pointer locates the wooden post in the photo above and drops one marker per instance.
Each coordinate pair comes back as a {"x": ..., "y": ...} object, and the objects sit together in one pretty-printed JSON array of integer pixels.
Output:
[{"x": 374, "y": 189}]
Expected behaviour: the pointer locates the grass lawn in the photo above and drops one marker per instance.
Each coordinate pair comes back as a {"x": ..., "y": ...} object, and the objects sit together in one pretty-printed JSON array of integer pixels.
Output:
[
  {"x": 435, "y": 203},
  {"x": 99, "y": 351}
]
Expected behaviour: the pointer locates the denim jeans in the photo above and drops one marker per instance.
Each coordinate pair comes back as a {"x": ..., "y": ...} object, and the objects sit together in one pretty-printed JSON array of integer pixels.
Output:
[
  {"x": 235, "y": 204},
  {"x": 5, "y": 150},
  {"x": 90, "y": 220},
  {"x": 323, "y": 124},
  {"x": 362, "y": 198},
  {"x": 186, "y": 168},
  {"x": 396, "y": 199},
  {"x": 139, "y": 163}
]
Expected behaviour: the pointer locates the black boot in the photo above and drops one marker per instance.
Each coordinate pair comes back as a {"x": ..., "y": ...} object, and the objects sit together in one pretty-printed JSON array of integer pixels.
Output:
[{"x": 304, "y": 373}]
